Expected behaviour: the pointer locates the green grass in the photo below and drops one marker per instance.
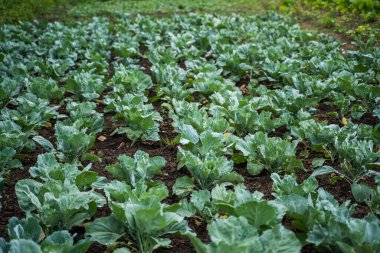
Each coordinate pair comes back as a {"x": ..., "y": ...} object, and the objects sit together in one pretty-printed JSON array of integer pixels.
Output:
[
  {"x": 343, "y": 19},
  {"x": 12, "y": 11}
]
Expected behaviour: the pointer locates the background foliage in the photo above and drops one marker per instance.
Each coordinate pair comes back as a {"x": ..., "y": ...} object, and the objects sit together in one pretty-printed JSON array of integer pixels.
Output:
[{"x": 356, "y": 20}]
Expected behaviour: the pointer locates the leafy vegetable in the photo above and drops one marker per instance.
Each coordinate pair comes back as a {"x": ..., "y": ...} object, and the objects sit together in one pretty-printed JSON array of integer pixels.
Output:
[
  {"x": 85, "y": 85},
  {"x": 353, "y": 167},
  {"x": 140, "y": 218},
  {"x": 139, "y": 118},
  {"x": 12, "y": 141},
  {"x": 1, "y": 190},
  {"x": 72, "y": 142},
  {"x": 365, "y": 194},
  {"x": 237, "y": 88},
  {"x": 355, "y": 156},
  {"x": 58, "y": 199},
  {"x": 139, "y": 168},
  {"x": 237, "y": 235},
  {"x": 184, "y": 113},
  {"x": 273, "y": 154},
  {"x": 288, "y": 185},
  {"x": 329, "y": 225},
  {"x": 27, "y": 236},
  {"x": 84, "y": 116},
  {"x": 209, "y": 170},
  {"x": 9, "y": 88},
  {"x": 320, "y": 135},
  {"x": 31, "y": 113},
  {"x": 45, "y": 88},
  {"x": 130, "y": 81}
]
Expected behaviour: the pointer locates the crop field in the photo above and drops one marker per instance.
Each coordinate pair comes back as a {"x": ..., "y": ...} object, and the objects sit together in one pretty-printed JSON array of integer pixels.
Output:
[{"x": 187, "y": 133}]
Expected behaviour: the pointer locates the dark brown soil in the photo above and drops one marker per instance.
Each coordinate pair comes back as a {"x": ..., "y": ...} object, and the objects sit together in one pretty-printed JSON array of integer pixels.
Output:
[
  {"x": 182, "y": 64},
  {"x": 325, "y": 113},
  {"x": 179, "y": 244},
  {"x": 242, "y": 84},
  {"x": 278, "y": 132},
  {"x": 182, "y": 244},
  {"x": 367, "y": 119},
  {"x": 262, "y": 182},
  {"x": 9, "y": 200},
  {"x": 146, "y": 65}
]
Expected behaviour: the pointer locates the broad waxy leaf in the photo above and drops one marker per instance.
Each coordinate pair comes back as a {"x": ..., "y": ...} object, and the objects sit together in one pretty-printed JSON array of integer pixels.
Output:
[
  {"x": 237, "y": 235},
  {"x": 142, "y": 218},
  {"x": 140, "y": 167},
  {"x": 140, "y": 119},
  {"x": 106, "y": 230},
  {"x": 273, "y": 154}
]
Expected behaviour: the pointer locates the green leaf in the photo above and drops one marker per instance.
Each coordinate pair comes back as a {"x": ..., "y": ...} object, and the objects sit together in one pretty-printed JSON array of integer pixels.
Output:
[
  {"x": 200, "y": 199},
  {"x": 91, "y": 158},
  {"x": 188, "y": 135},
  {"x": 288, "y": 185},
  {"x": 361, "y": 192},
  {"x": 141, "y": 167},
  {"x": 27, "y": 191},
  {"x": 44, "y": 143},
  {"x": 183, "y": 186},
  {"x": 63, "y": 242},
  {"x": 85, "y": 179},
  {"x": 271, "y": 153},
  {"x": 317, "y": 162},
  {"x": 234, "y": 230},
  {"x": 297, "y": 206},
  {"x": 374, "y": 166},
  {"x": 232, "y": 235},
  {"x": 45, "y": 88},
  {"x": 323, "y": 171},
  {"x": 280, "y": 240},
  {"x": 72, "y": 142},
  {"x": 23, "y": 246},
  {"x": 105, "y": 230},
  {"x": 238, "y": 158},
  {"x": 254, "y": 168},
  {"x": 259, "y": 213},
  {"x": 335, "y": 179},
  {"x": 122, "y": 250},
  {"x": 357, "y": 111},
  {"x": 304, "y": 153},
  {"x": 28, "y": 229}
]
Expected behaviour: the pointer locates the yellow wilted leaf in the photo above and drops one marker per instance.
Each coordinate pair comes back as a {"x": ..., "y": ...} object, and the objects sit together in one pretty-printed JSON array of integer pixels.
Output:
[
  {"x": 224, "y": 216},
  {"x": 86, "y": 224},
  {"x": 121, "y": 145},
  {"x": 226, "y": 135},
  {"x": 205, "y": 102},
  {"x": 102, "y": 138},
  {"x": 42, "y": 236},
  {"x": 198, "y": 223},
  {"x": 344, "y": 121}
]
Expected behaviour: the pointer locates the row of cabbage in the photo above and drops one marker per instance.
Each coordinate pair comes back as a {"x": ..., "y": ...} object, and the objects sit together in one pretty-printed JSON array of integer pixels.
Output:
[
  {"x": 196, "y": 61},
  {"x": 39, "y": 63}
]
